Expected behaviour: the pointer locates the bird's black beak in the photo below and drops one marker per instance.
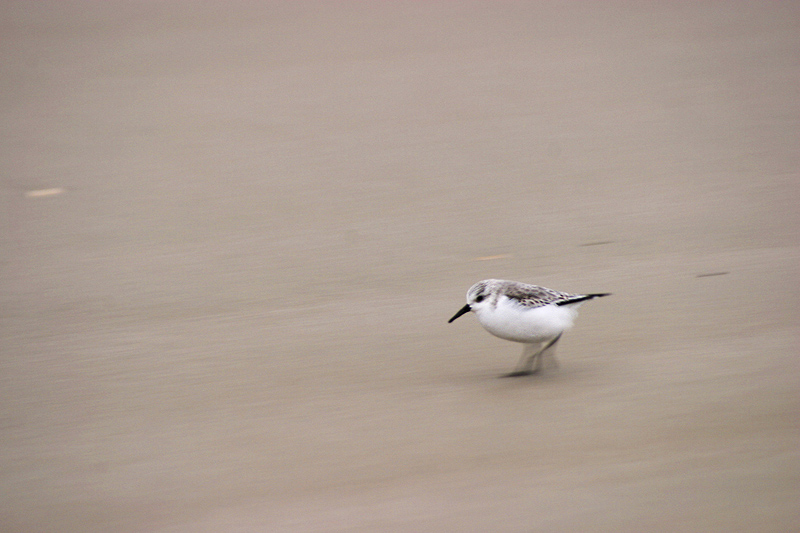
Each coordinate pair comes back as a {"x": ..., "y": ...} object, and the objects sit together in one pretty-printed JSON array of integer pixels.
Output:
[{"x": 463, "y": 310}]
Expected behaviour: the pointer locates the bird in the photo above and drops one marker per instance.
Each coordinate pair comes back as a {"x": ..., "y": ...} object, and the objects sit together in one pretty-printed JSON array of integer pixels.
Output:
[{"x": 529, "y": 314}]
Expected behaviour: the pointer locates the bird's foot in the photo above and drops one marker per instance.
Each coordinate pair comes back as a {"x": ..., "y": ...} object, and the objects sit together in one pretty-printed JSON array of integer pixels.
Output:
[{"x": 519, "y": 373}]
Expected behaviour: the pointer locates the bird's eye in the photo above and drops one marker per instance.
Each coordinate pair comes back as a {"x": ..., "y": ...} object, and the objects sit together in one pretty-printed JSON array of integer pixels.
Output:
[{"x": 479, "y": 298}]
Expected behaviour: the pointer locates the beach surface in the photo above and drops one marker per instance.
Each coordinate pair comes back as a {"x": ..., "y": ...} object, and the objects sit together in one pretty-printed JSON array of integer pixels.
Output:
[{"x": 232, "y": 234}]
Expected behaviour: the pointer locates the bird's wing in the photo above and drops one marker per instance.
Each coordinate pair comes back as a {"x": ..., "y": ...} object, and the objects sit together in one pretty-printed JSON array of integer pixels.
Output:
[{"x": 534, "y": 296}]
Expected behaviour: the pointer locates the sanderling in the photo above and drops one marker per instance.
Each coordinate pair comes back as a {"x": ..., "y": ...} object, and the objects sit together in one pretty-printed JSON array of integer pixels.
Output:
[{"x": 532, "y": 315}]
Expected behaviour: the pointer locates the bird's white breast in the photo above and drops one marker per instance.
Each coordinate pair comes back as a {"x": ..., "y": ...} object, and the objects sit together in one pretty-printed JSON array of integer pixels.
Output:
[{"x": 513, "y": 322}]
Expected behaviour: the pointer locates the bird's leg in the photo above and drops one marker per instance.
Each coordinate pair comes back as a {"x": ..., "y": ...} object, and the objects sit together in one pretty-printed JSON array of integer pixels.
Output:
[
  {"x": 525, "y": 365},
  {"x": 530, "y": 355},
  {"x": 540, "y": 355},
  {"x": 551, "y": 347}
]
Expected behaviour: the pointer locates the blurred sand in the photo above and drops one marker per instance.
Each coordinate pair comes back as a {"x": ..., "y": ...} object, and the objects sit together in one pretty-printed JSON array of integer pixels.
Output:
[{"x": 232, "y": 316}]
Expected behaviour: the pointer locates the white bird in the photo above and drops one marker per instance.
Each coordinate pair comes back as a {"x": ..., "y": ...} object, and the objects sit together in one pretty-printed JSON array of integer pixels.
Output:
[{"x": 529, "y": 314}]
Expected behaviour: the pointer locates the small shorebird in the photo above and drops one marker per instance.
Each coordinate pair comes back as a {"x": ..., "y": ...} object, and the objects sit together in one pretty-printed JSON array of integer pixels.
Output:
[{"x": 529, "y": 314}]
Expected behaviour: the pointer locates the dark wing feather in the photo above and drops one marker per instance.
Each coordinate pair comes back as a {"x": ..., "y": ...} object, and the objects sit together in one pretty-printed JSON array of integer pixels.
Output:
[{"x": 575, "y": 298}]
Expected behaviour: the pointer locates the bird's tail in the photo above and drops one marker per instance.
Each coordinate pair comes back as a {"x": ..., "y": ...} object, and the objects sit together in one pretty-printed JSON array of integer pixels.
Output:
[{"x": 583, "y": 297}]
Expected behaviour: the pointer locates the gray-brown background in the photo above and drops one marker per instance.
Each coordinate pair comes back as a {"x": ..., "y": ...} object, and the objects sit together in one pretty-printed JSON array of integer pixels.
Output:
[{"x": 232, "y": 316}]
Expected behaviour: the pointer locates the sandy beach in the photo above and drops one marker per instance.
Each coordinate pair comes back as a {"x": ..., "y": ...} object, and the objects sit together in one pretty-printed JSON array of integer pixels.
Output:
[{"x": 233, "y": 234}]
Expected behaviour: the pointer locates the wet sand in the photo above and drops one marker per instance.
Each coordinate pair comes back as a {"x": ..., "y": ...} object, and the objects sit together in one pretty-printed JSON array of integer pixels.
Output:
[{"x": 226, "y": 307}]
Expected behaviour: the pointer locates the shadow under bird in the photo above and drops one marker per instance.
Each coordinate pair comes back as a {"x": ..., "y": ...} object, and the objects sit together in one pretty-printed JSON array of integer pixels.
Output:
[{"x": 532, "y": 315}]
